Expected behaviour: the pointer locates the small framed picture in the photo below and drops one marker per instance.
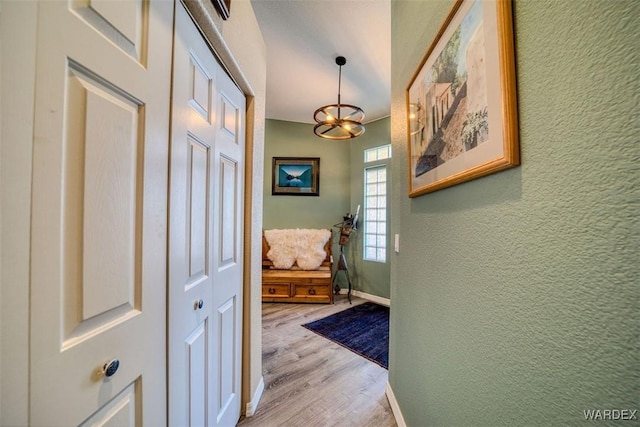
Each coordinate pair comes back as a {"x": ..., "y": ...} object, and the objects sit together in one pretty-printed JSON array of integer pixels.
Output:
[{"x": 296, "y": 176}]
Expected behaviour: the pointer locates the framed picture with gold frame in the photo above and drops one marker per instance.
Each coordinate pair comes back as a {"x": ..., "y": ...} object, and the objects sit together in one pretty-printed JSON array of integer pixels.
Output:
[{"x": 461, "y": 101}]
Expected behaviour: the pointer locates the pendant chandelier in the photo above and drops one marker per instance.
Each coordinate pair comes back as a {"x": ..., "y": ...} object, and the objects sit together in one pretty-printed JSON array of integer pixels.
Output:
[{"x": 339, "y": 121}]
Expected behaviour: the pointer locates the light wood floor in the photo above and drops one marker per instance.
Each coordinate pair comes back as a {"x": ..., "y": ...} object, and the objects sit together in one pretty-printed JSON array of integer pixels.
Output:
[{"x": 311, "y": 381}]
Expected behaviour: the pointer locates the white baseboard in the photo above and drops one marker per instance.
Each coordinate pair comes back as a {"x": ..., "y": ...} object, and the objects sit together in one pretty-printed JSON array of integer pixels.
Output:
[
  {"x": 395, "y": 408},
  {"x": 252, "y": 406},
  {"x": 364, "y": 295}
]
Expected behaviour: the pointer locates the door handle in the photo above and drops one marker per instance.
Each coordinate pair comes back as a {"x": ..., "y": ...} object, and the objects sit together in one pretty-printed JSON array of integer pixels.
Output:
[
  {"x": 197, "y": 305},
  {"x": 111, "y": 367}
]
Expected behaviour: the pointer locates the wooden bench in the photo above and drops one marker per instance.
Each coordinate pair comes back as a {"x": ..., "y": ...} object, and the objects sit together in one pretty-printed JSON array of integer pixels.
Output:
[{"x": 295, "y": 284}]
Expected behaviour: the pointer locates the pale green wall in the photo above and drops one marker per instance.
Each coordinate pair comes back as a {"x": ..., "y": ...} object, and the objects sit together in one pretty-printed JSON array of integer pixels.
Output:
[
  {"x": 515, "y": 296},
  {"x": 367, "y": 276},
  {"x": 341, "y": 180},
  {"x": 288, "y": 139}
]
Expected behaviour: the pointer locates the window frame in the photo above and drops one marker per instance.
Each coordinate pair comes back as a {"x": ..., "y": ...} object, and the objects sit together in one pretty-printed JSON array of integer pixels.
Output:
[{"x": 380, "y": 162}]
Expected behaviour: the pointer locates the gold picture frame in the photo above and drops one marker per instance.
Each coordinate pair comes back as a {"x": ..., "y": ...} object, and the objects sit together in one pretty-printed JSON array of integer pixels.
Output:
[{"x": 461, "y": 102}]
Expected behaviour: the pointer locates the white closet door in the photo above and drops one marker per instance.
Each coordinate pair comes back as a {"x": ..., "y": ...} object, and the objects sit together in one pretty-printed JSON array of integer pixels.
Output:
[
  {"x": 205, "y": 271},
  {"x": 228, "y": 190},
  {"x": 99, "y": 213}
]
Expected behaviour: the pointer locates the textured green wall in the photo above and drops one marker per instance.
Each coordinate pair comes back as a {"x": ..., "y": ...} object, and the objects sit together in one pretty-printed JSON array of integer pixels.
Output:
[
  {"x": 288, "y": 139},
  {"x": 515, "y": 296},
  {"x": 368, "y": 276},
  {"x": 341, "y": 181}
]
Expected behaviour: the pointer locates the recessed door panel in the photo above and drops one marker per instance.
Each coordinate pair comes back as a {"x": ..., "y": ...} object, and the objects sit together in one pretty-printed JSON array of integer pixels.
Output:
[
  {"x": 228, "y": 211},
  {"x": 197, "y": 350},
  {"x": 123, "y": 23},
  {"x": 111, "y": 198},
  {"x": 121, "y": 411},
  {"x": 102, "y": 196},
  {"x": 230, "y": 117},
  {"x": 228, "y": 361},
  {"x": 201, "y": 86},
  {"x": 198, "y": 198}
]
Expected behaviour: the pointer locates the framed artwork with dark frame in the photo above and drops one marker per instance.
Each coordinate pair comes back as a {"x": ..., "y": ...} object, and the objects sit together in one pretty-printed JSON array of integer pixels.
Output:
[
  {"x": 223, "y": 7},
  {"x": 296, "y": 176},
  {"x": 461, "y": 102}
]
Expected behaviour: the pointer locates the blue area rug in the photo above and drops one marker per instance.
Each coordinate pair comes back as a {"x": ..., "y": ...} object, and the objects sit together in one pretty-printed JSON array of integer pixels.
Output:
[{"x": 363, "y": 329}]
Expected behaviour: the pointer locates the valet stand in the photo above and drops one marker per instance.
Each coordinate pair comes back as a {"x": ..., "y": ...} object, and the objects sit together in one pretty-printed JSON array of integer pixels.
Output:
[{"x": 346, "y": 228}]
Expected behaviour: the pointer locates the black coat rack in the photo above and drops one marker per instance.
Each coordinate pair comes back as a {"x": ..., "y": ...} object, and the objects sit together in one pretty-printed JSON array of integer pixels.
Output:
[{"x": 346, "y": 228}]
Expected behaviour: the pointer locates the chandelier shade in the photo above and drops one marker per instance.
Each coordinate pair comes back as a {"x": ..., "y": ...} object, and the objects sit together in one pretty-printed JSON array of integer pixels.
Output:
[{"x": 339, "y": 121}]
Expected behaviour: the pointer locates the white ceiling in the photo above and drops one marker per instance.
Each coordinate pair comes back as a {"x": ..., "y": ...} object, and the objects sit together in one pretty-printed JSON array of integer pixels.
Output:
[{"x": 303, "y": 38}]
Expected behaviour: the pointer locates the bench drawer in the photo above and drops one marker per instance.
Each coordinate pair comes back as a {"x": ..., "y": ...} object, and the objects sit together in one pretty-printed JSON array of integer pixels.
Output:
[
  {"x": 297, "y": 286},
  {"x": 311, "y": 290},
  {"x": 275, "y": 290}
]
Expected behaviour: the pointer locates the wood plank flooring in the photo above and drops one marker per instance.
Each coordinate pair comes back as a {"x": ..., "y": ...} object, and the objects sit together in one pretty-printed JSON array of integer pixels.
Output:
[{"x": 311, "y": 381}]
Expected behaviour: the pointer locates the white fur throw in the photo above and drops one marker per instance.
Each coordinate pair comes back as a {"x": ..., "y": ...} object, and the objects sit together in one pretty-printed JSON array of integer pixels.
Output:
[
  {"x": 283, "y": 248},
  {"x": 302, "y": 246},
  {"x": 311, "y": 248}
]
